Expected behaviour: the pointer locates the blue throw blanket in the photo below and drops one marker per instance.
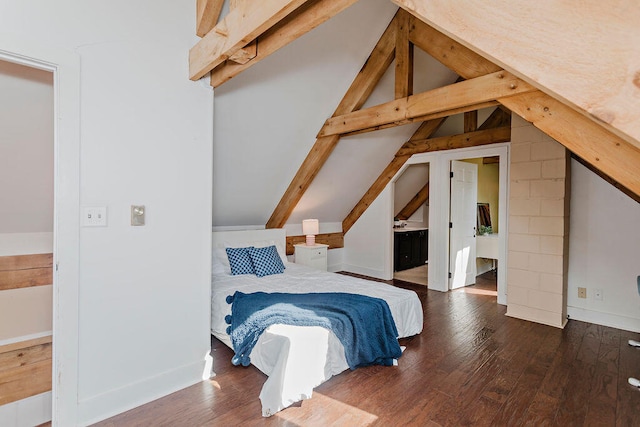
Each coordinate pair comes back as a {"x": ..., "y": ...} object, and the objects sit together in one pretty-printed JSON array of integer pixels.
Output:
[{"x": 363, "y": 324}]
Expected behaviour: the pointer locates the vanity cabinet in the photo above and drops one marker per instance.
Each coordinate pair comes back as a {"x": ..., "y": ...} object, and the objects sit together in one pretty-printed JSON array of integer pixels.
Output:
[{"x": 410, "y": 249}]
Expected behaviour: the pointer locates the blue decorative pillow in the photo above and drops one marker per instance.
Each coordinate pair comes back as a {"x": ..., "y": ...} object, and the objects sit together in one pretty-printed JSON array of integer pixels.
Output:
[
  {"x": 240, "y": 260},
  {"x": 266, "y": 261}
]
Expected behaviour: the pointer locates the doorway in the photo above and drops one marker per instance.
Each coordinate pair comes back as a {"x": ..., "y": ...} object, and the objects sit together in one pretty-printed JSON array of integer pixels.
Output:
[
  {"x": 26, "y": 237},
  {"x": 65, "y": 68},
  {"x": 439, "y": 210},
  {"x": 411, "y": 225}
]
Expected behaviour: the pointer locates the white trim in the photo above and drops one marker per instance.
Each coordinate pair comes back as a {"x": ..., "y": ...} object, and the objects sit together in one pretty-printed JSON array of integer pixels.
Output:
[
  {"x": 378, "y": 274},
  {"x": 605, "y": 319},
  {"x": 236, "y": 227},
  {"x": 32, "y": 410},
  {"x": 114, "y": 402},
  {"x": 25, "y": 338},
  {"x": 65, "y": 66},
  {"x": 439, "y": 200}
]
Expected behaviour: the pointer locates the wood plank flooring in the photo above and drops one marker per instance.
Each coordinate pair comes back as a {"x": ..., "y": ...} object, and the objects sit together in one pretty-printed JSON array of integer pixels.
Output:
[{"x": 472, "y": 365}]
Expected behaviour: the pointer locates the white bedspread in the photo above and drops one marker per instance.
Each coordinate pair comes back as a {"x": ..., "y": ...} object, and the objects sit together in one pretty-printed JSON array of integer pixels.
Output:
[{"x": 296, "y": 359}]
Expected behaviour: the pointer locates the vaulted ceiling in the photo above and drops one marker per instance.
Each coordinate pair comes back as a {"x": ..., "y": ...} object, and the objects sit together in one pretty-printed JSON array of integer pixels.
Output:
[{"x": 573, "y": 73}]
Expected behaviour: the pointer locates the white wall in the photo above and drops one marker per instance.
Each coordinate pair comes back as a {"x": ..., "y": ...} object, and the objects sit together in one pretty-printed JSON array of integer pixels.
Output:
[
  {"x": 145, "y": 139},
  {"x": 26, "y": 149},
  {"x": 412, "y": 180},
  {"x": 367, "y": 245},
  {"x": 267, "y": 119},
  {"x": 604, "y": 252}
]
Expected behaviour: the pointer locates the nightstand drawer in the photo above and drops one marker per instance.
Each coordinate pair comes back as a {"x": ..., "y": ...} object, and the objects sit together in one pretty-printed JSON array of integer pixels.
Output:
[{"x": 312, "y": 256}]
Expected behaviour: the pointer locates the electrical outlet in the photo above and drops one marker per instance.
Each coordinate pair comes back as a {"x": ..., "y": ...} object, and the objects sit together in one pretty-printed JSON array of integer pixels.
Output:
[
  {"x": 582, "y": 292},
  {"x": 598, "y": 294},
  {"x": 94, "y": 216}
]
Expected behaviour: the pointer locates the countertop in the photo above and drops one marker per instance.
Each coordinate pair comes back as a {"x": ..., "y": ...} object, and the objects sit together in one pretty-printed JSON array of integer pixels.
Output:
[{"x": 401, "y": 229}]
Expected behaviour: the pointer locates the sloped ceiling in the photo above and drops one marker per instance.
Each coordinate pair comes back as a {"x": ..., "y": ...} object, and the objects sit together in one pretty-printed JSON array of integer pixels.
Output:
[
  {"x": 586, "y": 54},
  {"x": 266, "y": 120}
]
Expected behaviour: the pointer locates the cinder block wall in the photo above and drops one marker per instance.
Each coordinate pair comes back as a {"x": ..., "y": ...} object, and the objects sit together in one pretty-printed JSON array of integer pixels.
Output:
[{"x": 539, "y": 193}]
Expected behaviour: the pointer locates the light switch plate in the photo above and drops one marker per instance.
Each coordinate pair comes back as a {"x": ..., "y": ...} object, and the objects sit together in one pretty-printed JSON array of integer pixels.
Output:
[
  {"x": 138, "y": 213},
  {"x": 94, "y": 216}
]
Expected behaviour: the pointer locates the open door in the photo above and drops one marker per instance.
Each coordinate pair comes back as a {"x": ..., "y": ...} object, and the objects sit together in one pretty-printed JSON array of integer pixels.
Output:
[{"x": 462, "y": 231}]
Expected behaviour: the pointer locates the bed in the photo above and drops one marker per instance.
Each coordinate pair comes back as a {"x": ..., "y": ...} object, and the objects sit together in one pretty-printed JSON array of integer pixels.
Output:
[{"x": 295, "y": 358}]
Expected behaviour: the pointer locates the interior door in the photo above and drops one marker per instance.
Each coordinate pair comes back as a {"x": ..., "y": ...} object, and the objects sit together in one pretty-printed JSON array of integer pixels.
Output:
[{"x": 462, "y": 231}]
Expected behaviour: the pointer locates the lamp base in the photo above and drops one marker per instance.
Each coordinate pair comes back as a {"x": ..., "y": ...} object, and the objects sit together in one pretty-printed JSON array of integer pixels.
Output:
[{"x": 311, "y": 240}]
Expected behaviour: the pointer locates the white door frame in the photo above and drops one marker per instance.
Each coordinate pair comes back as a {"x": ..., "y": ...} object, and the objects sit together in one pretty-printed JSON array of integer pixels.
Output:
[
  {"x": 65, "y": 66},
  {"x": 439, "y": 201}
]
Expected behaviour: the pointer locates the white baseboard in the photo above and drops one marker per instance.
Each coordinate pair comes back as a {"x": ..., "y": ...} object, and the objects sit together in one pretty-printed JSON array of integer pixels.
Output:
[
  {"x": 335, "y": 268},
  {"x": 114, "y": 402},
  {"x": 25, "y": 338},
  {"x": 604, "y": 319},
  {"x": 32, "y": 411},
  {"x": 378, "y": 274}
]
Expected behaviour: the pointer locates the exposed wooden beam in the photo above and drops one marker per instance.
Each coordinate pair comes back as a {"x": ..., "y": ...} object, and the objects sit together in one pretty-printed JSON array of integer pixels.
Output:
[
  {"x": 404, "y": 57},
  {"x": 471, "y": 121},
  {"x": 463, "y": 140},
  {"x": 491, "y": 160},
  {"x": 590, "y": 140},
  {"x": 302, "y": 20},
  {"x": 247, "y": 53},
  {"x": 362, "y": 86},
  {"x": 425, "y": 130},
  {"x": 465, "y": 96},
  {"x": 244, "y": 24},
  {"x": 418, "y": 200},
  {"x": 607, "y": 152},
  {"x": 373, "y": 192},
  {"x": 334, "y": 240},
  {"x": 498, "y": 118},
  {"x": 207, "y": 15},
  {"x": 567, "y": 53},
  {"x": 463, "y": 61}
]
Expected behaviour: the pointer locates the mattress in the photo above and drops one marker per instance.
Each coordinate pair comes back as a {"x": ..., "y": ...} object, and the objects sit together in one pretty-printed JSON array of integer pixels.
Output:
[{"x": 296, "y": 359}]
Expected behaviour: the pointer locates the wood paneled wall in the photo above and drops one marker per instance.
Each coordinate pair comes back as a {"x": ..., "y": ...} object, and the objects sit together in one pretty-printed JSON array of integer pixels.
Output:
[
  {"x": 334, "y": 240},
  {"x": 25, "y": 367},
  {"x": 23, "y": 271}
]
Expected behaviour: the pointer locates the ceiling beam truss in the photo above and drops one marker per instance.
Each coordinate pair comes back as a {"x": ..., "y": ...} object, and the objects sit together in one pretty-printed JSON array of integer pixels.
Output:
[
  {"x": 207, "y": 15},
  {"x": 242, "y": 25},
  {"x": 301, "y": 21},
  {"x": 418, "y": 200},
  {"x": 459, "y": 97},
  {"x": 363, "y": 84}
]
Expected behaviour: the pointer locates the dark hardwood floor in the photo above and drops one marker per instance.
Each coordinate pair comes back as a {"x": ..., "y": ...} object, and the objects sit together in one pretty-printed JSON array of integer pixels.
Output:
[{"x": 472, "y": 365}]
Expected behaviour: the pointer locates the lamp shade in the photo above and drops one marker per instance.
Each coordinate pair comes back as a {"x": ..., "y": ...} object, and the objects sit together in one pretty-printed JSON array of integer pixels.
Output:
[{"x": 310, "y": 226}]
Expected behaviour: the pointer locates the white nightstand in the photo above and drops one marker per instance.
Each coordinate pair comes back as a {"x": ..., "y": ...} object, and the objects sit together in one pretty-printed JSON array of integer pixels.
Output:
[{"x": 312, "y": 256}]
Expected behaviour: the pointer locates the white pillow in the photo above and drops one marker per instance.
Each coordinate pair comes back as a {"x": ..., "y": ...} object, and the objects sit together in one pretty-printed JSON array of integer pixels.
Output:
[{"x": 220, "y": 261}]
